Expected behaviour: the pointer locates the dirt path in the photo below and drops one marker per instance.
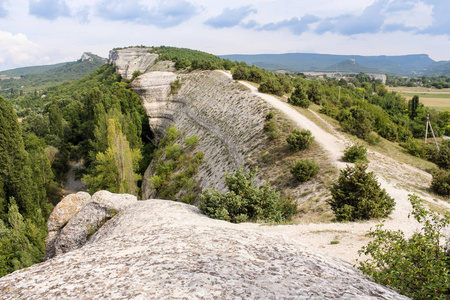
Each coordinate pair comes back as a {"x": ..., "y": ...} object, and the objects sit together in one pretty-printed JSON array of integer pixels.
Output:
[{"x": 398, "y": 179}]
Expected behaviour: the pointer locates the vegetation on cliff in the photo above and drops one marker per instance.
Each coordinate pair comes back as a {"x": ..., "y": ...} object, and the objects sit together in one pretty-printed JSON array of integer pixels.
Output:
[{"x": 176, "y": 163}]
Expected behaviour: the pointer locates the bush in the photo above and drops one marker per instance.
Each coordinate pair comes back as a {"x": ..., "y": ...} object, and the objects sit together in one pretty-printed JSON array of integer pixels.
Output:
[
  {"x": 357, "y": 196},
  {"x": 440, "y": 183},
  {"x": 271, "y": 128},
  {"x": 443, "y": 157},
  {"x": 300, "y": 139},
  {"x": 373, "y": 139},
  {"x": 246, "y": 202},
  {"x": 304, "y": 170},
  {"x": 418, "y": 267},
  {"x": 270, "y": 115},
  {"x": 354, "y": 153}
]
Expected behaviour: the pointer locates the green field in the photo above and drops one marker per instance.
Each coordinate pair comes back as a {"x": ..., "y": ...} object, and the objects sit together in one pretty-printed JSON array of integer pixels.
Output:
[{"x": 437, "y": 99}]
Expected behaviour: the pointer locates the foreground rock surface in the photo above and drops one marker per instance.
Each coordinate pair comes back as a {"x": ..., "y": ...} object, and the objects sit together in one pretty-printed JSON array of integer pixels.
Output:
[{"x": 158, "y": 249}]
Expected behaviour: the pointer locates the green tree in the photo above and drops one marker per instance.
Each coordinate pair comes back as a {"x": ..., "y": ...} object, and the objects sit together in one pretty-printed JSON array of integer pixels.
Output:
[
  {"x": 315, "y": 93},
  {"x": 418, "y": 267},
  {"x": 115, "y": 168},
  {"x": 440, "y": 183},
  {"x": 15, "y": 171},
  {"x": 299, "y": 97},
  {"x": 55, "y": 120},
  {"x": 357, "y": 121},
  {"x": 357, "y": 196},
  {"x": 413, "y": 105}
]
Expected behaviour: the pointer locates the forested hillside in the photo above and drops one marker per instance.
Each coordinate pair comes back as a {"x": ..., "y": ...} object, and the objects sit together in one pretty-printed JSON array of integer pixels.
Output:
[
  {"x": 97, "y": 119},
  {"x": 17, "y": 82}
]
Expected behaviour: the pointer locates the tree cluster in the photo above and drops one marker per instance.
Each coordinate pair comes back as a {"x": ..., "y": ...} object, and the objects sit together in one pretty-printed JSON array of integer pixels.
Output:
[{"x": 246, "y": 202}]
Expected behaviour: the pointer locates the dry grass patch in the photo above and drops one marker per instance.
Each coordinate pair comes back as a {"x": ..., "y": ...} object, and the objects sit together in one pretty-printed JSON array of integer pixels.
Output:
[{"x": 274, "y": 162}]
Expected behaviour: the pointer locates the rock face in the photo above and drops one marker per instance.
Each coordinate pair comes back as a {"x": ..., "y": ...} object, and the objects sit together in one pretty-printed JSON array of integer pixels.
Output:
[
  {"x": 154, "y": 89},
  {"x": 130, "y": 60},
  {"x": 158, "y": 249},
  {"x": 78, "y": 216},
  {"x": 207, "y": 105}
]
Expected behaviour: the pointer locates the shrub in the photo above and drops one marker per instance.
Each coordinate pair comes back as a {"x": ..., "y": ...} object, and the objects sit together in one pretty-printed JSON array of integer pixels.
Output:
[
  {"x": 441, "y": 182},
  {"x": 443, "y": 157},
  {"x": 373, "y": 139},
  {"x": 357, "y": 196},
  {"x": 175, "y": 86},
  {"x": 270, "y": 115},
  {"x": 354, "y": 153},
  {"x": 418, "y": 267},
  {"x": 271, "y": 128},
  {"x": 304, "y": 170},
  {"x": 246, "y": 202},
  {"x": 300, "y": 139}
]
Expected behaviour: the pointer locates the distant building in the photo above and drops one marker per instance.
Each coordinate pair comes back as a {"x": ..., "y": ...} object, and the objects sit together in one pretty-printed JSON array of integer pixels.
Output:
[{"x": 381, "y": 77}]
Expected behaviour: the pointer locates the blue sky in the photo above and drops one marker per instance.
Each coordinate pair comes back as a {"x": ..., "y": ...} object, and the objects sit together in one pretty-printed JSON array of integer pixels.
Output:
[{"x": 49, "y": 31}]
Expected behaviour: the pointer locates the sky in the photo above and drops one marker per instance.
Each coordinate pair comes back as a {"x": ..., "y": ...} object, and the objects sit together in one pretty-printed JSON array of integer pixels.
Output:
[{"x": 39, "y": 32}]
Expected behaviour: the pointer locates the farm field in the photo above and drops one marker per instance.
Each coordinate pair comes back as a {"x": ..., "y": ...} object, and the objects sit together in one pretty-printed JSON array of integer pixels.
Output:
[{"x": 437, "y": 99}]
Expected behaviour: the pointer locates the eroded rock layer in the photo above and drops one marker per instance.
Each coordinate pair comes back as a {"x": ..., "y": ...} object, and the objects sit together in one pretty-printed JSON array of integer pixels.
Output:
[
  {"x": 158, "y": 249},
  {"x": 130, "y": 60}
]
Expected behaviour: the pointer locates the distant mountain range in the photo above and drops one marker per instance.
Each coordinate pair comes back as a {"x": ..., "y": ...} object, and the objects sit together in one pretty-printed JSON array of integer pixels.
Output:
[{"x": 412, "y": 65}]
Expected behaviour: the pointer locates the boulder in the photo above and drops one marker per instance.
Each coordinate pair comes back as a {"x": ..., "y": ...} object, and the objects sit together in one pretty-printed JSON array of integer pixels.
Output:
[
  {"x": 102, "y": 206},
  {"x": 63, "y": 212}
]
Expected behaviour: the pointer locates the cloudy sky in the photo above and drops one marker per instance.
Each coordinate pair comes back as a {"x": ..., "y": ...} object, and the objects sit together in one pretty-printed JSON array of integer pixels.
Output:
[{"x": 49, "y": 31}]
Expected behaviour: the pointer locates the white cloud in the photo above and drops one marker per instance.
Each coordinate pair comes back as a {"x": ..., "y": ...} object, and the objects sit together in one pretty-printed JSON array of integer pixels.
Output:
[
  {"x": 17, "y": 49},
  {"x": 420, "y": 16}
]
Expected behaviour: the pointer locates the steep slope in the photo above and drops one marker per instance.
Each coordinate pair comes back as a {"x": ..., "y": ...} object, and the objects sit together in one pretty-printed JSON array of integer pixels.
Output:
[{"x": 158, "y": 249}]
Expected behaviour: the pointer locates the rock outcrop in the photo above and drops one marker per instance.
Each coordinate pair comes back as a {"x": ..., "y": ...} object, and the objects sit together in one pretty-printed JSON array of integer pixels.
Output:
[
  {"x": 78, "y": 216},
  {"x": 158, "y": 249},
  {"x": 130, "y": 60}
]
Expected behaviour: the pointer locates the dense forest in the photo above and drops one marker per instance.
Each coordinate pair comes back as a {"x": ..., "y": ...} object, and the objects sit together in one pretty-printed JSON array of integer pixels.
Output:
[{"x": 98, "y": 120}]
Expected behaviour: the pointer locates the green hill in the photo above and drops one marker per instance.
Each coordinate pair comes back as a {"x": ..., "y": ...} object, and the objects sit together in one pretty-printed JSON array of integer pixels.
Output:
[{"x": 29, "y": 79}]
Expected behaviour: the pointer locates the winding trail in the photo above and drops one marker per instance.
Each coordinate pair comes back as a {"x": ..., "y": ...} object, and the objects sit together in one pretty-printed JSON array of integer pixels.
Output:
[{"x": 395, "y": 177}]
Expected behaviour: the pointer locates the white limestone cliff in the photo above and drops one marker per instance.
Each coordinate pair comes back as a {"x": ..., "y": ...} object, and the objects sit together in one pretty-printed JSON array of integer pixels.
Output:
[{"x": 130, "y": 60}]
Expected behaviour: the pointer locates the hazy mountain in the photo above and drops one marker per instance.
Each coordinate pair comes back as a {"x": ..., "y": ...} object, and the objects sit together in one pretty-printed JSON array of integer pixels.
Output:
[
  {"x": 439, "y": 68},
  {"x": 303, "y": 62}
]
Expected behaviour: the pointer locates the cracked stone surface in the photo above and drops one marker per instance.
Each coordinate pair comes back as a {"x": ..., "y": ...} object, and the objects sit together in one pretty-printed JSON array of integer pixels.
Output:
[{"x": 159, "y": 249}]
